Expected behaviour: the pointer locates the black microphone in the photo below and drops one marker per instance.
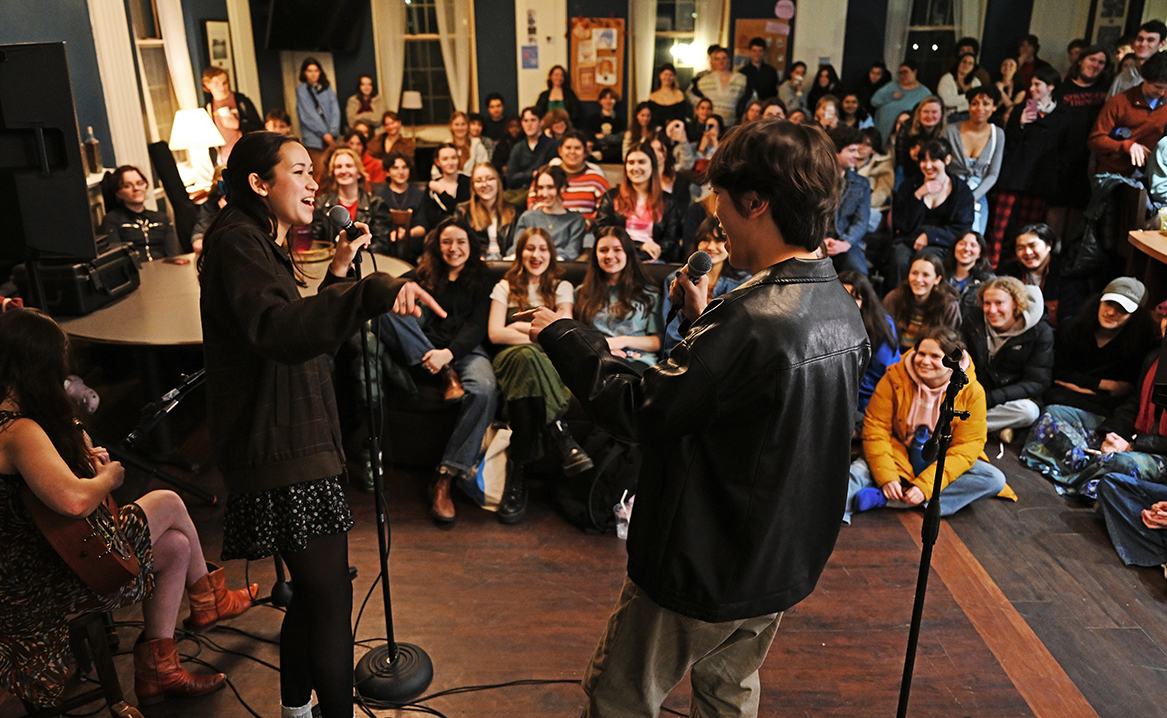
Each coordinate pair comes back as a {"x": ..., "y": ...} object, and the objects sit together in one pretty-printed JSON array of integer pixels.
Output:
[
  {"x": 699, "y": 265},
  {"x": 340, "y": 217}
]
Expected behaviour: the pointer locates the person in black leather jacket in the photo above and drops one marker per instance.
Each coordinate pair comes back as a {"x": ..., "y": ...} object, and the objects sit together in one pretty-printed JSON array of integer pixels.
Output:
[{"x": 745, "y": 431}]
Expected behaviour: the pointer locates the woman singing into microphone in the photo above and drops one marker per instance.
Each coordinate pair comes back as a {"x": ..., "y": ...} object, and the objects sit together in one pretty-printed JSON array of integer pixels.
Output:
[{"x": 271, "y": 406}]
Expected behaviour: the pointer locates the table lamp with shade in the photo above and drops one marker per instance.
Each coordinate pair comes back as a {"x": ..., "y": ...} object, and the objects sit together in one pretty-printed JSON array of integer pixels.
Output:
[
  {"x": 195, "y": 130},
  {"x": 411, "y": 100}
]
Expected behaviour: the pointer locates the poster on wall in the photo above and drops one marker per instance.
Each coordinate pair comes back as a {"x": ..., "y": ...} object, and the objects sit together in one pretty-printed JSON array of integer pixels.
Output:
[
  {"x": 597, "y": 56},
  {"x": 776, "y": 33}
]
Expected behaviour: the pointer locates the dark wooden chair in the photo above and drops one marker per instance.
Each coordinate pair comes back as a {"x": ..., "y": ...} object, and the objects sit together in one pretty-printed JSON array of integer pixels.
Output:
[{"x": 90, "y": 644}]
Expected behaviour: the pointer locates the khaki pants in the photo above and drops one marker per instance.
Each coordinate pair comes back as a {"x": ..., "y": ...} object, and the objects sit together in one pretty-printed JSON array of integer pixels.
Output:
[{"x": 646, "y": 651}]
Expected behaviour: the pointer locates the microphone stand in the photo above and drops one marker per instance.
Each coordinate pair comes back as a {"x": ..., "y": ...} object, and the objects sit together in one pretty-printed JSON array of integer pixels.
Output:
[
  {"x": 394, "y": 672},
  {"x": 935, "y": 449}
]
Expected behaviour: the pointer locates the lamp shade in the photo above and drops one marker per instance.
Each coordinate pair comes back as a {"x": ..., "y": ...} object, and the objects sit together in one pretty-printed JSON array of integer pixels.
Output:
[
  {"x": 411, "y": 100},
  {"x": 194, "y": 129}
]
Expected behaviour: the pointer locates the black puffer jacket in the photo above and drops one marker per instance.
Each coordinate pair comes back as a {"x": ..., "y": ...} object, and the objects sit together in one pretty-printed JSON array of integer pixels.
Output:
[
  {"x": 745, "y": 430},
  {"x": 1023, "y": 368}
]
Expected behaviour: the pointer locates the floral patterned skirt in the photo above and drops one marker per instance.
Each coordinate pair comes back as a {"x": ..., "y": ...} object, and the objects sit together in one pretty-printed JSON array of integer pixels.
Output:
[{"x": 262, "y": 523}]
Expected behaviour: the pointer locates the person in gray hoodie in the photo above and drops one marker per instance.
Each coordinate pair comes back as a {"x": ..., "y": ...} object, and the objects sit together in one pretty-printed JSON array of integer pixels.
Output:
[{"x": 1012, "y": 348}]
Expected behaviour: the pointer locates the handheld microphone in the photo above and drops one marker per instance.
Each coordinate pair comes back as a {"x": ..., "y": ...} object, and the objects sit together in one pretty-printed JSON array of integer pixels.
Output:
[
  {"x": 698, "y": 266},
  {"x": 340, "y": 217}
]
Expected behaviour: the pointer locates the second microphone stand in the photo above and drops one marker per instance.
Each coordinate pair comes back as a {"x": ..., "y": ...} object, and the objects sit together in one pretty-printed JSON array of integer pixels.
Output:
[
  {"x": 394, "y": 672},
  {"x": 935, "y": 449}
]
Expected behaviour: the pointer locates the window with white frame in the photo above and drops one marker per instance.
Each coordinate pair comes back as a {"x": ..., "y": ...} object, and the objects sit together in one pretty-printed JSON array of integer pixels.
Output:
[
  {"x": 425, "y": 70},
  {"x": 676, "y": 22},
  {"x": 159, "y": 102}
]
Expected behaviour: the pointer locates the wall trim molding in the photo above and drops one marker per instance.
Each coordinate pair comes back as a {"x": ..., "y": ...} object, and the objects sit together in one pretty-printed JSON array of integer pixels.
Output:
[{"x": 243, "y": 50}]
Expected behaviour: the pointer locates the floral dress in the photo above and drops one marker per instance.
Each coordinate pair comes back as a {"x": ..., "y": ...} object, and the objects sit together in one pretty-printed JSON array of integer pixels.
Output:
[{"x": 39, "y": 592}]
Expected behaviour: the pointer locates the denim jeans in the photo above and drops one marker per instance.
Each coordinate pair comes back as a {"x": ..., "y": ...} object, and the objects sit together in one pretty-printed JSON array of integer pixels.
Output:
[
  {"x": 1123, "y": 499},
  {"x": 983, "y": 480},
  {"x": 406, "y": 342},
  {"x": 854, "y": 259}
]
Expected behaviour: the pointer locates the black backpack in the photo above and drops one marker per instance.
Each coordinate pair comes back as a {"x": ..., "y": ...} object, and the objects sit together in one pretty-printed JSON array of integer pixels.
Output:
[{"x": 586, "y": 500}]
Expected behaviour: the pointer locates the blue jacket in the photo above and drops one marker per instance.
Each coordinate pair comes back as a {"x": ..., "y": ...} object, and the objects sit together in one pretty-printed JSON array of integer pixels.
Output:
[
  {"x": 854, "y": 209},
  {"x": 314, "y": 125}
]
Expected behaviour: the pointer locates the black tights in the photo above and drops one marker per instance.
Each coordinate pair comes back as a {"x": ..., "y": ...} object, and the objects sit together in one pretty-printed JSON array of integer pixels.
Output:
[{"x": 316, "y": 639}]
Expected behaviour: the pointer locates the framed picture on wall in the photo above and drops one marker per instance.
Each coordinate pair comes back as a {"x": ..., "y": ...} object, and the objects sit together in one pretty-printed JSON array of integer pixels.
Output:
[{"x": 219, "y": 47}]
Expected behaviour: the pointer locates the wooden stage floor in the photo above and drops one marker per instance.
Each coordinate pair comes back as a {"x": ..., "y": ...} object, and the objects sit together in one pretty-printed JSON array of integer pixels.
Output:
[{"x": 1029, "y": 613}]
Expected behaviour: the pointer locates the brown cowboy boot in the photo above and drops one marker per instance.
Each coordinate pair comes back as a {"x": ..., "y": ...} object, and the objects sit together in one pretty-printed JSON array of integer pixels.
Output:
[
  {"x": 211, "y": 601},
  {"x": 158, "y": 674}
]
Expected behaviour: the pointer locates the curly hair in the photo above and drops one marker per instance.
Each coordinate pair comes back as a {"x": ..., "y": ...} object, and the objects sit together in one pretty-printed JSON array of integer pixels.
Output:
[{"x": 1012, "y": 286}]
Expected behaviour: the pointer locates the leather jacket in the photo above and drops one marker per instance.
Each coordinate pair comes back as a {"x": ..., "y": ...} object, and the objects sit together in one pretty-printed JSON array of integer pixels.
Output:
[
  {"x": 745, "y": 432},
  {"x": 371, "y": 209}
]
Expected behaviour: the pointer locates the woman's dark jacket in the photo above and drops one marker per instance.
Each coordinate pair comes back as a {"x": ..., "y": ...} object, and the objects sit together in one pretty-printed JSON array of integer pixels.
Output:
[
  {"x": 1021, "y": 369},
  {"x": 570, "y": 105},
  {"x": 746, "y": 432},
  {"x": 270, "y": 400},
  {"x": 1122, "y": 421},
  {"x": 467, "y": 310},
  {"x": 1036, "y": 154},
  {"x": 371, "y": 209},
  {"x": 944, "y": 223},
  {"x": 1079, "y": 360},
  {"x": 506, "y": 232},
  {"x": 666, "y": 232},
  {"x": 148, "y": 233}
]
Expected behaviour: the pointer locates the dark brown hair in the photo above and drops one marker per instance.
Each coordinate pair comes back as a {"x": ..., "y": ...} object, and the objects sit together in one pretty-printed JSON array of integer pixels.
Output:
[
  {"x": 793, "y": 167},
  {"x": 903, "y": 303},
  {"x": 432, "y": 270},
  {"x": 516, "y": 276},
  {"x": 875, "y": 317},
  {"x": 632, "y": 287}
]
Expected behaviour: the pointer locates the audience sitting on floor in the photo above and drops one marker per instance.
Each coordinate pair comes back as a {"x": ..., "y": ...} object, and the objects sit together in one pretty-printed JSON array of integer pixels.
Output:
[
  {"x": 966, "y": 269},
  {"x": 923, "y": 301},
  {"x": 1036, "y": 265},
  {"x": 1013, "y": 350},
  {"x": 881, "y": 332}
]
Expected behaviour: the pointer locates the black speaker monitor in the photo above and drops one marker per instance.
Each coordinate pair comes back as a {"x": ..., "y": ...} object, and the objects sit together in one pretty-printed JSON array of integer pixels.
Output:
[{"x": 44, "y": 202}]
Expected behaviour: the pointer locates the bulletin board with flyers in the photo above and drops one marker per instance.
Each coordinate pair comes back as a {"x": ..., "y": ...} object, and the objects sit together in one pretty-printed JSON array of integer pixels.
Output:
[
  {"x": 776, "y": 33},
  {"x": 597, "y": 56}
]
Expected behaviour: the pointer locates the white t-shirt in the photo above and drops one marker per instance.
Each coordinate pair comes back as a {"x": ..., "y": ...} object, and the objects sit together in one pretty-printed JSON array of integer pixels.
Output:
[{"x": 564, "y": 294}]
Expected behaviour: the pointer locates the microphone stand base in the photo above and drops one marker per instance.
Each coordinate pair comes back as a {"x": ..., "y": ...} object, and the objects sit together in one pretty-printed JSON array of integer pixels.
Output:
[{"x": 396, "y": 681}]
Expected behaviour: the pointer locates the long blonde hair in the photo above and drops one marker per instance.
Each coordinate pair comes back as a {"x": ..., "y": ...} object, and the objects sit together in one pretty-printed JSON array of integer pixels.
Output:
[
  {"x": 328, "y": 181},
  {"x": 480, "y": 216}
]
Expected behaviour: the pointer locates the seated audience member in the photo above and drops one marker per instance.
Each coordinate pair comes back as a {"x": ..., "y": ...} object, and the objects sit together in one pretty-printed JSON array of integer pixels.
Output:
[
  {"x": 896, "y": 97},
  {"x": 1141, "y": 112},
  {"x": 490, "y": 217},
  {"x": 148, "y": 233},
  {"x": 1028, "y": 63},
  {"x": 966, "y": 269},
  {"x": 798, "y": 116},
  {"x": 559, "y": 96},
  {"x": 792, "y": 91},
  {"x": 773, "y": 108},
  {"x": 1083, "y": 93},
  {"x": 923, "y": 301},
  {"x": 607, "y": 127},
  {"x": 826, "y": 84},
  {"x": 667, "y": 102},
  {"x": 881, "y": 332},
  {"x": 955, "y": 84},
  {"x": 475, "y": 122},
  {"x": 617, "y": 299},
  {"x": 233, "y": 113},
  {"x": 722, "y": 277},
  {"x": 640, "y": 207},
  {"x": 853, "y": 113},
  {"x": 1013, "y": 350},
  {"x": 1036, "y": 151},
  {"x": 471, "y": 151},
  {"x": 1034, "y": 264},
  {"x": 1147, "y": 43},
  {"x": 556, "y": 123},
  {"x": 278, "y": 121},
  {"x": 391, "y": 139},
  {"x": 366, "y": 130},
  {"x": 450, "y": 348},
  {"x": 978, "y": 147},
  {"x": 46, "y": 458},
  {"x": 761, "y": 77},
  {"x": 502, "y": 149},
  {"x": 752, "y": 113},
  {"x": 722, "y": 86},
  {"x": 566, "y": 228},
  {"x": 927, "y": 124},
  {"x": 930, "y": 213},
  {"x": 364, "y": 104},
  {"x": 710, "y": 138},
  {"x": 692, "y": 220},
  {"x": 970, "y": 46},
  {"x": 586, "y": 182},
  {"x": 684, "y": 156},
  {"x": 877, "y": 76},
  {"x": 449, "y": 190},
  {"x": 535, "y": 396},
  {"x": 696, "y": 128},
  {"x": 847, "y": 249},
  {"x": 345, "y": 184},
  {"x": 375, "y": 171},
  {"x": 672, "y": 183},
  {"x": 1080, "y": 450},
  {"x": 640, "y": 131},
  {"x": 901, "y": 417},
  {"x": 526, "y": 155},
  {"x": 406, "y": 206},
  {"x": 494, "y": 122},
  {"x": 879, "y": 171},
  {"x": 827, "y": 112}
]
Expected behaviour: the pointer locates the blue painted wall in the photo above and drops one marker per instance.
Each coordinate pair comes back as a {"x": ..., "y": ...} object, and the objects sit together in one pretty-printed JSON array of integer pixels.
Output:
[
  {"x": 67, "y": 21},
  {"x": 194, "y": 13},
  {"x": 494, "y": 27}
]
